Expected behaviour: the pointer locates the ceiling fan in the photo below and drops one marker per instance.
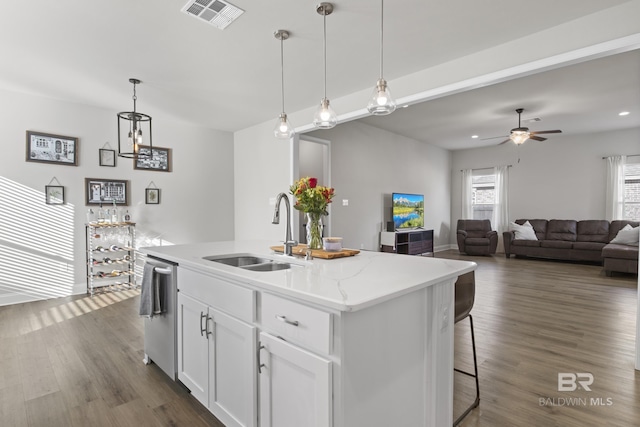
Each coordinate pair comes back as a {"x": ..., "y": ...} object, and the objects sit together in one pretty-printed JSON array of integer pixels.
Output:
[{"x": 520, "y": 134}]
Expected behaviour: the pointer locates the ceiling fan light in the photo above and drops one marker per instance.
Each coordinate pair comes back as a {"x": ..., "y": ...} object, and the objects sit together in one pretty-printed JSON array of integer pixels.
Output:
[
  {"x": 381, "y": 102},
  {"x": 283, "y": 129},
  {"x": 325, "y": 117},
  {"x": 519, "y": 136}
]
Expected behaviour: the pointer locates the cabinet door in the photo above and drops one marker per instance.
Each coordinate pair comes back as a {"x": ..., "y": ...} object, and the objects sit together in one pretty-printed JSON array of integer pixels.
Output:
[
  {"x": 295, "y": 386},
  {"x": 232, "y": 370},
  {"x": 193, "y": 347}
]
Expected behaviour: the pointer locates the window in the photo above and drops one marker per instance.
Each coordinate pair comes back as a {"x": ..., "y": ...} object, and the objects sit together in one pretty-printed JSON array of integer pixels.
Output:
[
  {"x": 483, "y": 195},
  {"x": 632, "y": 191}
]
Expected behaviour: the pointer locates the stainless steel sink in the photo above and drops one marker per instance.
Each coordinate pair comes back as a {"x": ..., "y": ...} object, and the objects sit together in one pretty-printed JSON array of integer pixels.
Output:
[
  {"x": 250, "y": 262},
  {"x": 238, "y": 260},
  {"x": 270, "y": 266}
]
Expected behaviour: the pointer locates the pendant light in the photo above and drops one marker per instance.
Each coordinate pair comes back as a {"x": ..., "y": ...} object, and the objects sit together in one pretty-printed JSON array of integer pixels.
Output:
[
  {"x": 325, "y": 117},
  {"x": 283, "y": 129},
  {"x": 381, "y": 102},
  {"x": 133, "y": 123}
]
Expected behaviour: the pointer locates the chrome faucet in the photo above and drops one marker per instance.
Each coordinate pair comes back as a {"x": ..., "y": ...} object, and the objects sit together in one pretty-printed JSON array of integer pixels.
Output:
[{"x": 289, "y": 243}]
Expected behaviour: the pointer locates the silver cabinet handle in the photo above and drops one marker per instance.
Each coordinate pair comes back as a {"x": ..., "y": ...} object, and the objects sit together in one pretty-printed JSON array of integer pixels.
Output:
[
  {"x": 285, "y": 320},
  {"x": 203, "y": 316},
  {"x": 208, "y": 332},
  {"x": 260, "y": 365}
]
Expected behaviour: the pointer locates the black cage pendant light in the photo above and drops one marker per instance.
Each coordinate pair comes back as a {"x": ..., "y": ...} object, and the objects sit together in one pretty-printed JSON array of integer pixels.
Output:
[{"x": 130, "y": 124}]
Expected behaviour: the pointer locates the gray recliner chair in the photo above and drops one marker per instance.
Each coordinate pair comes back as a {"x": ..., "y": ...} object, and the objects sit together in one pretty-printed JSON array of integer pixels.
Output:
[{"x": 475, "y": 237}]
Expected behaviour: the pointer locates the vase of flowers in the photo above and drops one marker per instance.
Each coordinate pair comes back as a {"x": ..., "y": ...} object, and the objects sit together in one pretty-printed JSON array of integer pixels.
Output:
[
  {"x": 314, "y": 230},
  {"x": 313, "y": 200}
]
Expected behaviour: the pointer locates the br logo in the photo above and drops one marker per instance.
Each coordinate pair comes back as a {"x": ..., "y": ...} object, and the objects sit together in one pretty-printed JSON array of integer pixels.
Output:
[{"x": 568, "y": 381}]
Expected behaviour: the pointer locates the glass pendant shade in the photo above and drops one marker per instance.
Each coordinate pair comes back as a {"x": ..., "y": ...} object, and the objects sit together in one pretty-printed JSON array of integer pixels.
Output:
[
  {"x": 325, "y": 117},
  {"x": 519, "y": 136},
  {"x": 283, "y": 129},
  {"x": 381, "y": 102}
]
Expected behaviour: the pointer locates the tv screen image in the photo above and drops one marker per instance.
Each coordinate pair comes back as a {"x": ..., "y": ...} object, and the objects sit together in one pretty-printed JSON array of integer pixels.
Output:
[{"x": 408, "y": 210}]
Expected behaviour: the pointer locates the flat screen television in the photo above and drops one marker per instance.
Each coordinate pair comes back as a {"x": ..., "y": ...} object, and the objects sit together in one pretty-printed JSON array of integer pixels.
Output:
[{"x": 408, "y": 211}]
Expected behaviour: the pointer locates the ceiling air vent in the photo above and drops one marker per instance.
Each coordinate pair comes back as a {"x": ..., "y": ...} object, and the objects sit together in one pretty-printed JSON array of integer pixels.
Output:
[{"x": 215, "y": 12}]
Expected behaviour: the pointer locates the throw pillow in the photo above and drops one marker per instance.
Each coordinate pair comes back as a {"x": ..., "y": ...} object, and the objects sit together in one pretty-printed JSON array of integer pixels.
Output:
[
  {"x": 524, "y": 231},
  {"x": 627, "y": 236}
]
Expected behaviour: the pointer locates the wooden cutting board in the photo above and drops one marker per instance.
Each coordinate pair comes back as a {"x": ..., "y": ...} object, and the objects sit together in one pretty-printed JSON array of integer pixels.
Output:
[{"x": 318, "y": 253}]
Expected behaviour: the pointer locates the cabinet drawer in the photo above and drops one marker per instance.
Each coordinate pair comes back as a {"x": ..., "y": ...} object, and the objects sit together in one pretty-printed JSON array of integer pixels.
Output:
[
  {"x": 225, "y": 296},
  {"x": 296, "y": 322}
]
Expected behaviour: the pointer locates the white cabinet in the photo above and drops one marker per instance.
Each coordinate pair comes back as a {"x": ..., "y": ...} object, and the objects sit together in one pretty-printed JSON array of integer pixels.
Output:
[
  {"x": 295, "y": 386},
  {"x": 217, "y": 361},
  {"x": 232, "y": 370},
  {"x": 193, "y": 347},
  {"x": 311, "y": 366}
]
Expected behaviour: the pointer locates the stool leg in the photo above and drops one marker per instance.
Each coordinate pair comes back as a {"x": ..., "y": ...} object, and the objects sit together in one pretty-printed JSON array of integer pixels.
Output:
[{"x": 476, "y": 402}]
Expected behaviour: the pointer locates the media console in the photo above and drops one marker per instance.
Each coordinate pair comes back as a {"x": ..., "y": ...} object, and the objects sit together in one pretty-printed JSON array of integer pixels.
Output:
[{"x": 413, "y": 242}]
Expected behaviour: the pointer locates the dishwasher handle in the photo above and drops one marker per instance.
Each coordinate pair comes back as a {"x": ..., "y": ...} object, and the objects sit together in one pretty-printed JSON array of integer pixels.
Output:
[{"x": 163, "y": 270}]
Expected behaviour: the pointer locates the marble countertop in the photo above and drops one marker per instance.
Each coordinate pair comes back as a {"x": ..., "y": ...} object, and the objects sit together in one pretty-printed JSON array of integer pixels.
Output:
[{"x": 344, "y": 284}]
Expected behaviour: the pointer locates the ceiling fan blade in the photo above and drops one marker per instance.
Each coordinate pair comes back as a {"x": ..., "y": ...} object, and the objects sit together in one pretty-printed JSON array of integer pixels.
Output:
[
  {"x": 537, "y": 138},
  {"x": 505, "y": 141},
  {"x": 546, "y": 131},
  {"x": 493, "y": 137}
]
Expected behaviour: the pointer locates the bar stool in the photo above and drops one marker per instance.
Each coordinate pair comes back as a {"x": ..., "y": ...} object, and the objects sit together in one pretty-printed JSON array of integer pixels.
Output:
[{"x": 465, "y": 292}]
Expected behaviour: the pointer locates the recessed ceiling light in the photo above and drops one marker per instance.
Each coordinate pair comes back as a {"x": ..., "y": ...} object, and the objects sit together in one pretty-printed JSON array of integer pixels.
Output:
[
  {"x": 623, "y": 113},
  {"x": 474, "y": 136}
]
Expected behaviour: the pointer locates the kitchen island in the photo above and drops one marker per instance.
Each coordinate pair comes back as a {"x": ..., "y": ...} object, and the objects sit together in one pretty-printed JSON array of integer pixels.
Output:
[{"x": 365, "y": 340}]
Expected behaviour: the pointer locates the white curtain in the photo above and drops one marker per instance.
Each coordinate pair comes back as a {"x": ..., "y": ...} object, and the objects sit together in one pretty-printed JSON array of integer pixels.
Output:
[
  {"x": 614, "y": 203},
  {"x": 500, "y": 216},
  {"x": 467, "y": 194}
]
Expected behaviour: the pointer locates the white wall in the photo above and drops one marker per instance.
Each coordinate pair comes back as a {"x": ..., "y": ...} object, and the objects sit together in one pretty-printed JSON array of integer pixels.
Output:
[
  {"x": 561, "y": 178},
  {"x": 47, "y": 243},
  {"x": 368, "y": 164},
  {"x": 262, "y": 169}
]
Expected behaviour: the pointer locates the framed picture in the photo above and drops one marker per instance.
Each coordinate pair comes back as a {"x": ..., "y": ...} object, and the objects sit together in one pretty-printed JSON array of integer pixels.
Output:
[
  {"x": 107, "y": 157},
  {"x": 159, "y": 161},
  {"x": 48, "y": 148},
  {"x": 54, "y": 194},
  {"x": 152, "y": 196},
  {"x": 106, "y": 191}
]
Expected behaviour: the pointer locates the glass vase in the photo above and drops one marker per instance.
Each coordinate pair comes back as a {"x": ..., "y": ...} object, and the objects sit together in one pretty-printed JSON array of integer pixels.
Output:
[{"x": 314, "y": 230}]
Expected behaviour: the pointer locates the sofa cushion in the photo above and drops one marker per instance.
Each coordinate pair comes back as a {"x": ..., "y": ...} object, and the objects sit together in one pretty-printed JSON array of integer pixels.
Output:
[
  {"x": 627, "y": 236},
  {"x": 524, "y": 231},
  {"x": 556, "y": 244},
  {"x": 539, "y": 226},
  {"x": 527, "y": 243},
  {"x": 562, "y": 229},
  {"x": 593, "y": 230},
  {"x": 588, "y": 246},
  {"x": 477, "y": 241},
  {"x": 613, "y": 250},
  {"x": 618, "y": 225}
]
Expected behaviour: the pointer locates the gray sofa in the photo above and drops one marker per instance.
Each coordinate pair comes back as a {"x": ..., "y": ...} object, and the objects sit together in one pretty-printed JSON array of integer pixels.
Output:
[{"x": 572, "y": 240}]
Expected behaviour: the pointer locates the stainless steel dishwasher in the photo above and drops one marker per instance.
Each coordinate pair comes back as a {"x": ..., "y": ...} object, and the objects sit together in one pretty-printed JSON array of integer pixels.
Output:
[{"x": 160, "y": 341}]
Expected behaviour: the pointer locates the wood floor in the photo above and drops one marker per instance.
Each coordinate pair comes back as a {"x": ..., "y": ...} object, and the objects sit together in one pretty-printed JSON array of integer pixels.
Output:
[
  {"x": 77, "y": 361},
  {"x": 535, "y": 319}
]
